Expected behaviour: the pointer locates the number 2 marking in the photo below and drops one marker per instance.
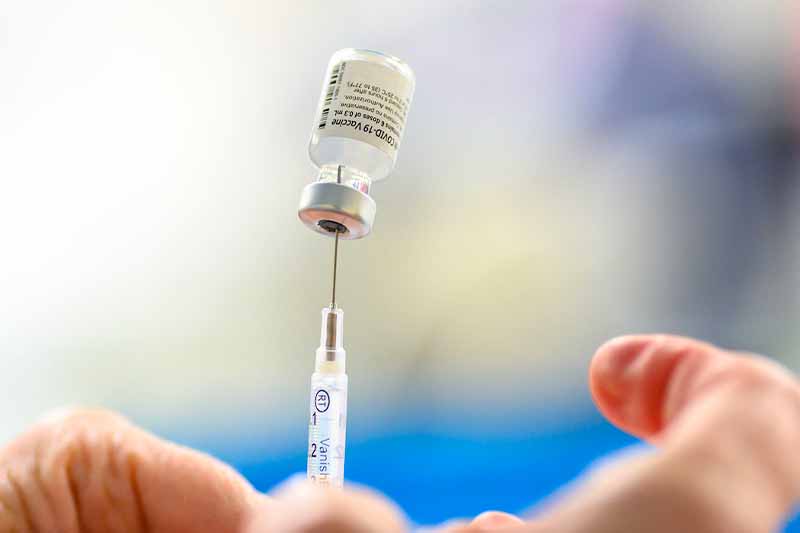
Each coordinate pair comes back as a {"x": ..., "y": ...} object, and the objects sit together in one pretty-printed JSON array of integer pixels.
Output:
[{"x": 313, "y": 449}]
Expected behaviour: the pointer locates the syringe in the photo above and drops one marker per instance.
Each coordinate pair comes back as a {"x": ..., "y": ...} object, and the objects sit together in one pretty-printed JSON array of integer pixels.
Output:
[
  {"x": 351, "y": 152},
  {"x": 327, "y": 422}
]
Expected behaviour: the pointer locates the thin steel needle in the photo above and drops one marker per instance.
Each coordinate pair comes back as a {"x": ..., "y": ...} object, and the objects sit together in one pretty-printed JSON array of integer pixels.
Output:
[
  {"x": 335, "y": 260},
  {"x": 336, "y": 246}
]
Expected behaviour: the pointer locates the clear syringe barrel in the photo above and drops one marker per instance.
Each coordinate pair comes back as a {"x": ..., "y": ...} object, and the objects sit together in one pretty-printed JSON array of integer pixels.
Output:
[{"x": 328, "y": 405}]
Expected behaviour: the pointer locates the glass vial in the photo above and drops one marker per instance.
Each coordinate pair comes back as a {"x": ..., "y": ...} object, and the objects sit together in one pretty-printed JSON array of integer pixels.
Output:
[{"x": 354, "y": 139}]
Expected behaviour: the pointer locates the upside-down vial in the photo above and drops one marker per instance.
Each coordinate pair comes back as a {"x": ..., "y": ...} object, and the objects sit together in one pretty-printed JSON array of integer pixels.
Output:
[{"x": 354, "y": 139}]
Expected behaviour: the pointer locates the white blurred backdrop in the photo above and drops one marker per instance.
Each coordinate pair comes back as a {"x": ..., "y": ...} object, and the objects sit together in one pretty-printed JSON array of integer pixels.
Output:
[{"x": 570, "y": 171}]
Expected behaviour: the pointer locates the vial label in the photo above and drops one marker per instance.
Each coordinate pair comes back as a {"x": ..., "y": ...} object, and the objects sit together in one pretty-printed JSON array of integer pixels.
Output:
[{"x": 366, "y": 102}]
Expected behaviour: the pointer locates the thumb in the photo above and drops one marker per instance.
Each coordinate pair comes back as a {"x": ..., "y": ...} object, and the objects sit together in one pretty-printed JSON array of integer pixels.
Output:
[
  {"x": 728, "y": 426},
  {"x": 92, "y": 471}
]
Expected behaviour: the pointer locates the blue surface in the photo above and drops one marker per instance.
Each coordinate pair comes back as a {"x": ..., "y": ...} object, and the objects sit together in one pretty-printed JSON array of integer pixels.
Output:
[{"x": 435, "y": 477}]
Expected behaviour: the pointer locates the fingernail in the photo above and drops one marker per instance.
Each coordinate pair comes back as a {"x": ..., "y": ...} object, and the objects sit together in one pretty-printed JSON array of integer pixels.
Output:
[
  {"x": 493, "y": 520},
  {"x": 295, "y": 482},
  {"x": 613, "y": 362},
  {"x": 295, "y": 506}
]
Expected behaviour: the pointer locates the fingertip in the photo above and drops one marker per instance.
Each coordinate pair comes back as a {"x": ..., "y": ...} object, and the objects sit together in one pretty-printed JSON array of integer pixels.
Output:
[
  {"x": 294, "y": 483},
  {"x": 608, "y": 379},
  {"x": 630, "y": 377},
  {"x": 494, "y": 520},
  {"x": 300, "y": 506}
]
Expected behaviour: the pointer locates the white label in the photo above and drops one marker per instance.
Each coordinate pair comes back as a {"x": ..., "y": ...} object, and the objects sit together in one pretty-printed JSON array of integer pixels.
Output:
[
  {"x": 326, "y": 432},
  {"x": 366, "y": 102}
]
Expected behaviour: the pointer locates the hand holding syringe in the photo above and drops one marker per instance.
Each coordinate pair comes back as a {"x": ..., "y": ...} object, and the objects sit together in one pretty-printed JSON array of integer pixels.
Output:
[{"x": 722, "y": 464}]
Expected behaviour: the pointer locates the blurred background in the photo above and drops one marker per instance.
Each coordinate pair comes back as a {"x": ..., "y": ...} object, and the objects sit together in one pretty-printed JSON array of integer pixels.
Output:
[{"x": 571, "y": 171}]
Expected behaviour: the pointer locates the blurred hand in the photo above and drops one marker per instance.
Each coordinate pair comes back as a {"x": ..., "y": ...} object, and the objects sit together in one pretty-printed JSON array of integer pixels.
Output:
[{"x": 728, "y": 428}]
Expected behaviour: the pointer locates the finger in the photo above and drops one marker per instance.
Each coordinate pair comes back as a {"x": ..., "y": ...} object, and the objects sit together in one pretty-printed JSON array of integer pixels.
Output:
[
  {"x": 492, "y": 521},
  {"x": 630, "y": 376},
  {"x": 645, "y": 383},
  {"x": 486, "y": 521},
  {"x": 301, "y": 507},
  {"x": 730, "y": 429},
  {"x": 91, "y": 471}
]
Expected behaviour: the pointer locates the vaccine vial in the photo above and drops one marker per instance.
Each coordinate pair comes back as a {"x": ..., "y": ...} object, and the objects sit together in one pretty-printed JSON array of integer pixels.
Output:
[{"x": 354, "y": 139}]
